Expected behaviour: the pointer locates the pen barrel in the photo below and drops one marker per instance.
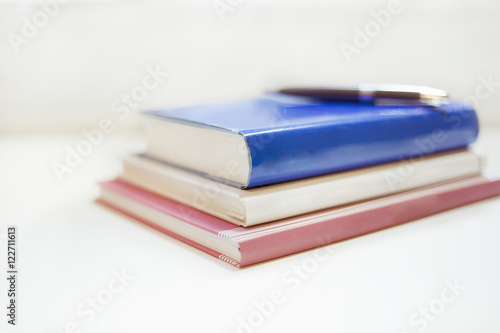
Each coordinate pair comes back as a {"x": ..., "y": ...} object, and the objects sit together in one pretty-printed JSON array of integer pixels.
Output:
[
  {"x": 370, "y": 93},
  {"x": 347, "y": 95},
  {"x": 383, "y": 94}
]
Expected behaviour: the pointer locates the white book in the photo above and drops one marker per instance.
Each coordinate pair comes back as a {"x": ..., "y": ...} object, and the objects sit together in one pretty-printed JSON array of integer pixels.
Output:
[{"x": 273, "y": 202}]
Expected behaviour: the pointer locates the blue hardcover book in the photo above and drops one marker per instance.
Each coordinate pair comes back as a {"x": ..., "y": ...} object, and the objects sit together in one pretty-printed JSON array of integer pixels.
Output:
[{"x": 279, "y": 138}]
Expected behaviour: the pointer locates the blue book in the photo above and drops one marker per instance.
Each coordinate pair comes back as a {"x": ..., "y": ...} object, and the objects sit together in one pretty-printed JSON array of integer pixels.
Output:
[{"x": 280, "y": 138}]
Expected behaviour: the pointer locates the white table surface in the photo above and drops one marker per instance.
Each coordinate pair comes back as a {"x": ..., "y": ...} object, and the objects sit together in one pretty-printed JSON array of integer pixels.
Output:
[{"x": 69, "y": 247}]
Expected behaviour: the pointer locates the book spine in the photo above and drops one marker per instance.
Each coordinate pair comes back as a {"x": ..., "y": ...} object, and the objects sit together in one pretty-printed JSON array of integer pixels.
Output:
[
  {"x": 286, "y": 154},
  {"x": 284, "y": 243}
]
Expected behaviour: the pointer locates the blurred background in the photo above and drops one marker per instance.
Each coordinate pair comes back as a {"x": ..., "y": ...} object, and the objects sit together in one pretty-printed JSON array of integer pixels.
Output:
[{"x": 64, "y": 65}]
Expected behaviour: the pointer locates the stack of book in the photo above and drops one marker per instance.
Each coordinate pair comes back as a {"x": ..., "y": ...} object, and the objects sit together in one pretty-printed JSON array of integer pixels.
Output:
[{"x": 260, "y": 179}]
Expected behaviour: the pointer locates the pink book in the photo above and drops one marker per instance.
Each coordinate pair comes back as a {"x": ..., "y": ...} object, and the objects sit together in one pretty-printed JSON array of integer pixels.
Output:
[{"x": 241, "y": 246}]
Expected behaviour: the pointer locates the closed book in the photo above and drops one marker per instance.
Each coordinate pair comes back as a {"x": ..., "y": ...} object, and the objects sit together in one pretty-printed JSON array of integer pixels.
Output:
[
  {"x": 253, "y": 206},
  {"x": 281, "y": 138},
  {"x": 246, "y": 246}
]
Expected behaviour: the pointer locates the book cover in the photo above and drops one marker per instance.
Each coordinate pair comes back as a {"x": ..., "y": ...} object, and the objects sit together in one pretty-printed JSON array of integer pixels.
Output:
[{"x": 282, "y": 135}]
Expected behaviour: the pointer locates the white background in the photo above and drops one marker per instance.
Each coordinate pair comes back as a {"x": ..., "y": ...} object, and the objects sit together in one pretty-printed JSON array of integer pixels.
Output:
[
  {"x": 65, "y": 80},
  {"x": 91, "y": 52}
]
